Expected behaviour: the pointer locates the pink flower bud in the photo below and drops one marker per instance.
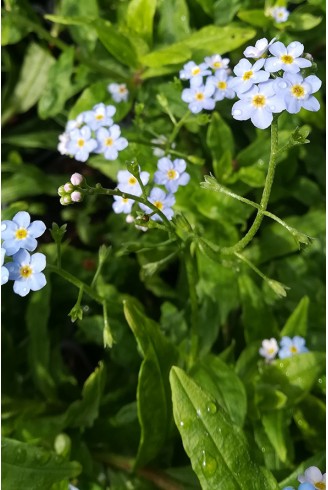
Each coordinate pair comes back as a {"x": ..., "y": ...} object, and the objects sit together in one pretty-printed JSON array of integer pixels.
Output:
[
  {"x": 68, "y": 187},
  {"x": 77, "y": 179},
  {"x": 76, "y": 196}
]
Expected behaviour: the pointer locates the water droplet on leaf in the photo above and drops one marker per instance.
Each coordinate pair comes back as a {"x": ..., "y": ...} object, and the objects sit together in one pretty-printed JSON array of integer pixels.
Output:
[
  {"x": 181, "y": 423},
  {"x": 211, "y": 408},
  {"x": 199, "y": 412},
  {"x": 208, "y": 464}
]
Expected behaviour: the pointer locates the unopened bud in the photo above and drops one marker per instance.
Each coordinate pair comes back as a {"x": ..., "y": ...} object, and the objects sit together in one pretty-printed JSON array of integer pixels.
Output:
[
  {"x": 77, "y": 179},
  {"x": 308, "y": 56},
  {"x": 61, "y": 191},
  {"x": 65, "y": 200},
  {"x": 76, "y": 196},
  {"x": 129, "y": 218},
  {"x": 68, "y": 187}
]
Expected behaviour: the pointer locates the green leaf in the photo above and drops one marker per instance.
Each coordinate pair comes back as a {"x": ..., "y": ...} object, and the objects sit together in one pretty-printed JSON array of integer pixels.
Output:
[
  {"x": 84, "y": 34},
  {"x": 59, "y": 87},
  {"x": 116, "y": 43},
  {"x": 255, "y": 17},
  {"x": 83, "y": 413},
  {"x": 318, "y": 460},
  {"x": 39, "y": 139},
  {"x": 302, "y": 370},
  {"x": 153, "y": 393},
  {"x": 37, "y": 316},
  {"x": 309, "y": 426},
  {"x": 225, "y": 11},
  {"x": 174, "y": 20},
  {"x": 12, "y": 30},
  {"x": 297, "y": 322},
  {"x": 32, "y": 81},
  {"x": 140, "y": 17},
  {"x": 219, "y": 137},
  {"x": 224, "y": 385},
  {"x": 303, "y": 21},
  {"x": 218, "y": 449},
  {"x": 176, "y": 53},
  {"x": 92, "y": 95},
  {"x": 33, "y": 468},
  {"x": 276, "y": 425},
  {"x": 207, "y": 6}
]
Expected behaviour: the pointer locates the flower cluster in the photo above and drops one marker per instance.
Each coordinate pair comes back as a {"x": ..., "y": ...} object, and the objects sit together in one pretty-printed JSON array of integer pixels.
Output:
[
  {"x": 118, "y": 91},
  {"x": 312, "y": 479},
  {"x": 18, "y": 238},
  {"x": 209, "y": 83},
  {"x": 170, "y": 174},
  {"x": 92, "y": 131},
  {"x": 261, "y": 97},
  {"x": 71, "y": 191},
  {"x": 288, "y": 347},
  {"x": 279, "y": 14}
]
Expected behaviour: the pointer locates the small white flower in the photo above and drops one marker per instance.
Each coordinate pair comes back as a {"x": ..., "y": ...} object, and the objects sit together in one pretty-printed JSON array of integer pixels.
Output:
[
  {"x": 222, "y": 81},
  {"x": 128, "y": 183},
  {"x": 216, "y": 62},
  {"x": 76, "y": 179},
  {"x": 199, "y": 97},
  {"x": 122, "y": 205},
  {"x": 297, "y": 92},
  {"x": 269, "y": 349},
  {"x": 99, "y": 116},
  {"x": 248, "y": 75},
  {"x": 191, "y": 71},
  {"x": 286, "y": 58},
  {"x": 314, "y": 476},
  {"x": 110, "y": 142},
  {"x": 280, "y": 14},
  {"x": 118, "y": 91},
  {"x": 257, "y": 51}
]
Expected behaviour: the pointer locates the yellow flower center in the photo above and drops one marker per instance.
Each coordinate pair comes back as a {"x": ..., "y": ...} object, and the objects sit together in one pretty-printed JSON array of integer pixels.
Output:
[
  {"x": 271, "y": 350},
  {"x": 258, "y": 101},
  {"x": 21, "y": 233},
  {"x": 171, "y": 174},
  {"x": 125, "y": 200},
  {"x": 132, "y": 181},
  {"x": 287, "y": 59},
  {"x": 80, "y": 142},
  {"x": 159, "y": 205},
  {"x": 199, "y": 96},
  {"x": 122, "y": 90},
  {"x": 222, "y": 85},
  {"x": 217, "y": 64},
  {"x": 99, "y": 117},
  {"x": 25, "y": 271},
  {"x": 195, "y": 71},
  {"x": 109, "y": 141},
  {"x": 320, "y": 485},
  {"x": 247, "y": 75},
  {"x": 293, "y": 349},
  {"x": 297, "y": 91}
]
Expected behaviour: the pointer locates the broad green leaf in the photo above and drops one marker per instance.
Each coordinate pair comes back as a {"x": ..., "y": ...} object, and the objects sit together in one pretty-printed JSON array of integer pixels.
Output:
[
  {"x": 153, "y": 393},
  {"x": 254, "y": 176},
  {"x": 32, "y": 467},
  {"x": 222, "y": 167},
  {"x": 174, "y": 20},
  {"x": 176, "y": 53},
  {"x": 224, "y": 11},
  {"x": 69, "y": 21},
  {"x": 217, "y": 448},
  {"x": 221, "y": 381},
  {"x": 297, "y": 322},
  {"x": 116, "y": 43},
  {"x": 59, "y": 87},
  {"x": 219, "y": 137},
  {"x": 267, "y": 397},
  {"x": 140, "y": 17},
  {"x": 207, "y": 6},
  {"x": 12, "y": 30},
  {"x": 302, "y": 370},
  {"x": 255, "y": 17},
  {"x": 90, "y": 96},
  {"x": 309, "y": 426},
  {"x": 303, "y": 21},
  {"x": 83, "y": 34},
  {"x": 82, "y": 413},
  {"x": 32, "y": 81},
  {"x": 276, "y": 425},
  {"x": 37, "y": 316},
  {"x": 38, "y": 139}
]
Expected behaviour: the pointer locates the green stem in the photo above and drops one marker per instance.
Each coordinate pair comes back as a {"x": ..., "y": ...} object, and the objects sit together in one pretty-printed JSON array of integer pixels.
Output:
[
  {"x": 265, "y": 196},
  {"x": 191, "y": 277},
  {"x": 177, "y": 128}
]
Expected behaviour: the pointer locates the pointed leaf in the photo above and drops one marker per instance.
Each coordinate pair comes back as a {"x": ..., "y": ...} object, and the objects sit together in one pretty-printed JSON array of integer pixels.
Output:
[
  {"x": 140, "y": 17},
  {"x": 297, "y": 322}
]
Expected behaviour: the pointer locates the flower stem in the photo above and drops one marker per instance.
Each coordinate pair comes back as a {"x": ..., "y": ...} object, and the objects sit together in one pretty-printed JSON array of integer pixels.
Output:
[
  {"x": 265, "y": 196},
  {"x": 177, "y": 128},
  {"x": 191, "y": 277}
]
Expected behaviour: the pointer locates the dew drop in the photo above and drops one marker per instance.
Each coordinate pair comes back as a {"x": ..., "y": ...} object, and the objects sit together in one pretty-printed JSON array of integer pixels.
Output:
[
  {"x": 181, "y": 423},
  {"x": 281, "y": 365},
  {"x": 199, "y": 412},
  {"x": 263, "y": 449},
  {"x": 236, "y": 112},
  {"x": 43, "y": 458},
  {"x": 211, "y": 408},
  {"x": 320, "y": 380},
  {"x": 208, "y": 464},
  {"x": 282, "y": 84},
  {"x": 3, "y": 227}
]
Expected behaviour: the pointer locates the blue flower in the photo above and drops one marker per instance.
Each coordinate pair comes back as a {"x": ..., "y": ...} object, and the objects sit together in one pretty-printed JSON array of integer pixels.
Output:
[
  {"x": 290, "y": 347},
  {"x": 286, "y": 58},
  {"x": 313, "y": 478},
  {"x": 216, "y": 62},
  {"x": 128, "y": 183},
  {"x": 21, "y": 233},
  {"x": 257, "y": 51},
  {"x": 81, "y": 143},
  {"x": 191, "y": 71},
  {"x": 308, "y": 486},
  {"x": 110, "y": 142},
  {"x": 258, "y": 104},
  {"x": 171, "y": 174},
  {"x": 122, "y": 205},
  {"x": 118, "y": 91},
  {"x": 221, "y": 81},
  {"x": 248, "y": 75},
  {"x": 280, "y": 14},
  {"x": 199, "y": 97},
  {"x": 162, "y": 201},
  {"x": 25, "y": 270},
  {"x": 99, "y": 116},
  {"x": 297, "y": 91},
  {"x": 4, "y": 270}
]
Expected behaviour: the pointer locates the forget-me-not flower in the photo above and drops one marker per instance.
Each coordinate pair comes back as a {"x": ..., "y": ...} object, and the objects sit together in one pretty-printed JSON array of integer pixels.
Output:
[
  {"x": 100, "y": 115},
  {"x": 118, "y": 91},
  {"x": 4, "y": 270},
  {"x": 171, "y": 174},
  {"x": 269, "y": 348},
  {"x": 81, "y": 143},
  {"x": 290, "y": 347},
  {"x": 216, "y": 62},
  {"x": 258, "y": 104},
  {"x": 222, "y": 82},
  {"x": 162, "y": 201},
  {"x": 21, "y": 233},
  {"x": 110, "y": 142},
  {"x": 199, "y": 97},
  {"x": 257, "y": 51},
  {"x": 313, "y": 476},
  {"x": 297, "y": 91},
  {"x": 248, "y": 75},
  {"x": 191, "y": 71},
  {"x": 25, "y": 270},
  {"x": 280, "y": 14},
  {"x": 122, "y": 205},
  {"x": 128, "y": 183},
  {"x": 286, "y": 58}
]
